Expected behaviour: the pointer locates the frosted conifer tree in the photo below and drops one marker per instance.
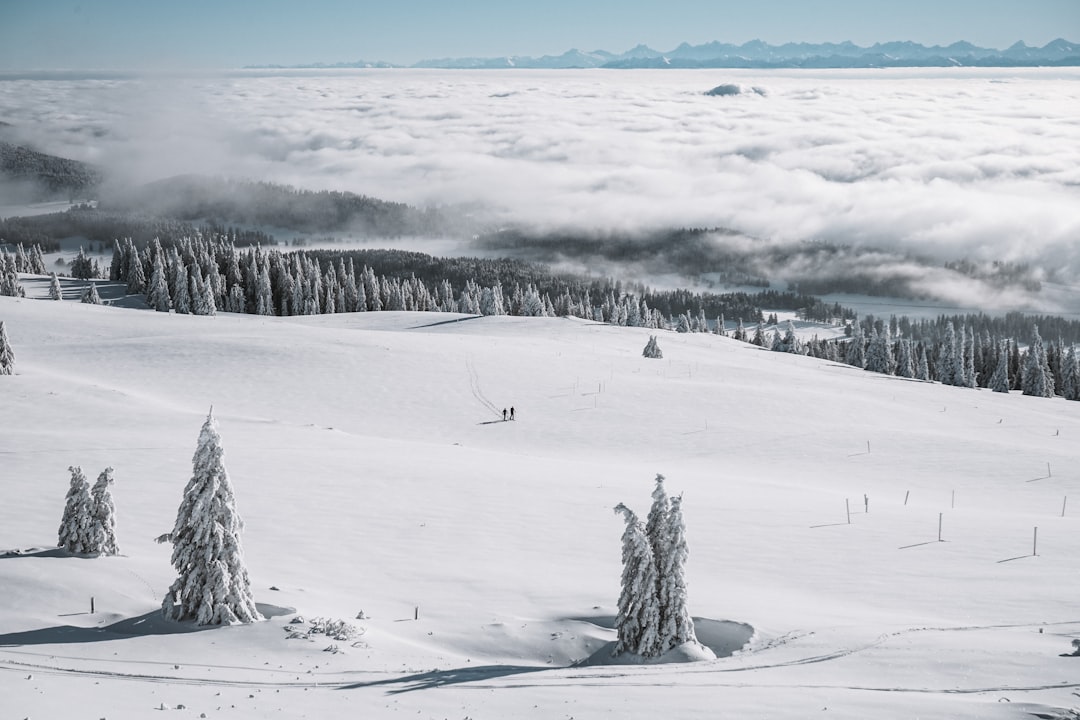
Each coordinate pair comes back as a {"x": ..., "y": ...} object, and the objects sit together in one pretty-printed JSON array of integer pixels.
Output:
[
  {"x": 157, "y": 296},
  {"x": 209, "y": 297},
  {"x": 7, "y": 355},
  {"x": 905, "y": 366},
  {"x": 922, "y": 369},
  {"x": 638, "y": 620},
  {"x": 950, "y": 360},
  {"x": 999, "y": 381},
  {"x": 879, "y": 356},
  {"x": 181, "y": 297},
  {"x": 75, "y": 525},
  {"x": 676, "y": 625},
  {"x": 90, "y": 295},
  {"x": 55, "y": 291},
  {"x": 759, "y": 336},
  {"x": 1036, "y": 377},
  {"x": 103, "y": 516},
  {"x": 968, "y": 361},
  {"x": 213, "y": 587},
  {"x": 656, "y": 522},
  {"x": 652, "y": 350},
  {"x": 10, "y": 285},
  {"x": 1070, "y": 375},
  {"x": 856, "y": 348}
]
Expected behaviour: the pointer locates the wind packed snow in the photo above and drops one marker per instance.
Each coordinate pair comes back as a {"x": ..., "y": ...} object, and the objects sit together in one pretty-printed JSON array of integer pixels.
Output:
[{"x": 477, "y": 561}]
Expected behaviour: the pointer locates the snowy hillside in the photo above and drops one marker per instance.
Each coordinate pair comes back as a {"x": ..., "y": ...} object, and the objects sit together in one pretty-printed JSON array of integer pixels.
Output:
[{"x": 375, "y": 475}]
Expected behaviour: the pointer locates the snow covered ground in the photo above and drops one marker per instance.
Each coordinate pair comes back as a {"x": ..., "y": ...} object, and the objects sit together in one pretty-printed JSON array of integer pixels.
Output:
[{"x": 375, "y": 475}]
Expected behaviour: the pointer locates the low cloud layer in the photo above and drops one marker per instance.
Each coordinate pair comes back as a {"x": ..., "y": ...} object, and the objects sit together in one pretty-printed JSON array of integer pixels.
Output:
[{"x": 982, "y": 164}]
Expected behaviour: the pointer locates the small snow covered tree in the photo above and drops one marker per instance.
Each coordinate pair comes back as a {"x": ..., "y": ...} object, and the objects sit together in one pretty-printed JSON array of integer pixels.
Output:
[
  {"x": 905, "y": 362},
  {"x": 855, "y": 352},
  {"x": 999, "y": 381},
  {"x": 950, "y": 359},
  {"x": 7, "y": 355},
  {"x": 879, "y": 355},
  {"x": 213, "y": 587},
  {"x": 157, "y": 295},
  {"x": 638, "y": 621},
  {"x": 103, "y": 516},
  {"x": 10, "y": 285},
  {"x": 75, "y": 526},
  {"x": 922, "y": 367},
  {"x": 1070, "y": 375},
  {"x": 1037, "y": 379},
  {"x": 970, "y": 376},
  {"x": 55, "y": 291},
  {"x": 652, "y": 350},
  {"x": 90, "y": 295}
]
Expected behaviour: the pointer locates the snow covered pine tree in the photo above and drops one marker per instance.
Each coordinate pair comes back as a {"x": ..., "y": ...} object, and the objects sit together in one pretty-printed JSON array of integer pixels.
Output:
[
  {"x": 213, "y": 587},
  {"x": 103, "y": 516},
  {"x": 7, "y": 355},
  {"x": 653, "y": 617},
  {"x": 638, "y": 621},
  {"x": 75, "y": 526},
  {"x": 652, "y": 350}
]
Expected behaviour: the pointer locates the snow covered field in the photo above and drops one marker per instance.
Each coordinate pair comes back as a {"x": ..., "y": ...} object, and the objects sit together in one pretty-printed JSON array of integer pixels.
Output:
[{"x": 375, "y": 474}]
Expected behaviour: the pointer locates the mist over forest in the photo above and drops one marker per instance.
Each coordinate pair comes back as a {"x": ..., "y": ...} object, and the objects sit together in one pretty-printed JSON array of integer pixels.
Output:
[{"x": 921, "y": 184}]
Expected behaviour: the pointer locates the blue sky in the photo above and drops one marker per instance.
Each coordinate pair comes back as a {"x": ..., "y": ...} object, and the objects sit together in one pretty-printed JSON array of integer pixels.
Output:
[{"x": 149, "y": 34}]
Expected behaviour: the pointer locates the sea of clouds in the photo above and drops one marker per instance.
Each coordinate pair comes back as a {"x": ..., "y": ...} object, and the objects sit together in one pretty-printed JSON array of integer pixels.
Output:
[{"x": 963, "y": 163}]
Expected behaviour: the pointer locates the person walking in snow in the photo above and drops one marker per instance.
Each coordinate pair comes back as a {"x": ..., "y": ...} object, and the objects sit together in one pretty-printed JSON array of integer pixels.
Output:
[
  {"x": 504, "y": 414},
  {"x": 511, "y": 412}
]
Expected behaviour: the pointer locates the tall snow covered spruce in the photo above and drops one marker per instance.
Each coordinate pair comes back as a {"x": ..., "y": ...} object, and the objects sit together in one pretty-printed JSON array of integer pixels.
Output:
[
  {"x": 76, "y": 524},
  {"x": 103, "y": 516},
  {"x": 653, "y": 617},
  {"x": 638, "y": 621},
  {"x": 7, "y": 355},
  {"x": 676, "y": 625},
  {"x": 1037, "y": 379},
  {"x": 213, "y": 587}
]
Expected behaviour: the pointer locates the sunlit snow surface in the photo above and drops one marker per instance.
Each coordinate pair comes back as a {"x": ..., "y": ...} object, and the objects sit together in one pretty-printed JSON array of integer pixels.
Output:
[
  {"x": 374, "y": 475},
  {"x": 977, "y": 163}
]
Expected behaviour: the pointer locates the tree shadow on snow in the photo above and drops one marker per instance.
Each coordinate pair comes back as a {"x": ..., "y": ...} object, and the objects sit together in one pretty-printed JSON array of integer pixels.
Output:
[
  {"x": 55, "y": 552},
  {"x": 152, "y": 623},
  {"x": 444, "y": 678}
]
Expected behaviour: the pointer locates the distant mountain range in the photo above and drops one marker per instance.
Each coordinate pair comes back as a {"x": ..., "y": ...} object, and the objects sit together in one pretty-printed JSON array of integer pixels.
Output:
[{"x": 758, "y": 54}]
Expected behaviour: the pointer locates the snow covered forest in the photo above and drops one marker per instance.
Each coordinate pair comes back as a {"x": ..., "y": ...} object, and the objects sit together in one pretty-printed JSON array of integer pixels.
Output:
[{"x": 201, "y": 275}]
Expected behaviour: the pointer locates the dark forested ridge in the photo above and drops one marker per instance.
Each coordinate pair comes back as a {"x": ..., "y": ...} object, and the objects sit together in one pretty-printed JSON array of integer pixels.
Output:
[
  {"x": 104, "y": 226},
  {"x": 45, "y": 176},
  {"x": 244, "y": 202}
]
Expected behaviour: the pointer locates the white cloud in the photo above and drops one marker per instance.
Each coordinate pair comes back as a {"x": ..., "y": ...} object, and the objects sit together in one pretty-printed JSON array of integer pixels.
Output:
[{"x": 945, "y": 163}]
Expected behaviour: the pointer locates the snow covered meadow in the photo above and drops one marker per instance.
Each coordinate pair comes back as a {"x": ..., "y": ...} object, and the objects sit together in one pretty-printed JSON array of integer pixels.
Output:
[{"x": 376, "y": 476}]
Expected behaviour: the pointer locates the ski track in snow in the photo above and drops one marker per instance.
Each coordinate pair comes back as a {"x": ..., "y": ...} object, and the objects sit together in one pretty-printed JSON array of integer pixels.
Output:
[{"x": 474, "y": 387}]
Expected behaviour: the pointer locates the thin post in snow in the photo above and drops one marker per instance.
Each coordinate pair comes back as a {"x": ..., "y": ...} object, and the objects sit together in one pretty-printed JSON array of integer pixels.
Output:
[
  {"x": 416, "y": 613},
  {"x": 940, "y": 516},
  {"x": 1035, "y": 542},
  {"x": 847, "y": 504},
  {"x": 953, "y": 505},
  {"x": 906, "y": 494},
  {"x": 867, "y": 447},
  {"x": 1048, "y": 473},
  {"x": 1063, "y": 502},
  {"x": 91, "y": 604}
]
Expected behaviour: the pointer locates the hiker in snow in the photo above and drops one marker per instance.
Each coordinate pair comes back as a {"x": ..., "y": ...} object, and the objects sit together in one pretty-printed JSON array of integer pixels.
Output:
[
  {"x": 511, "y": 412},
  {"x": 504, "y": 414}
]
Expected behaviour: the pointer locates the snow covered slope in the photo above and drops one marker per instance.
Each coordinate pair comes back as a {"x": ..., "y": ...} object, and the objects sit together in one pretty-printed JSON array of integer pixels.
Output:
[{"x": 375, "y": 474}]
